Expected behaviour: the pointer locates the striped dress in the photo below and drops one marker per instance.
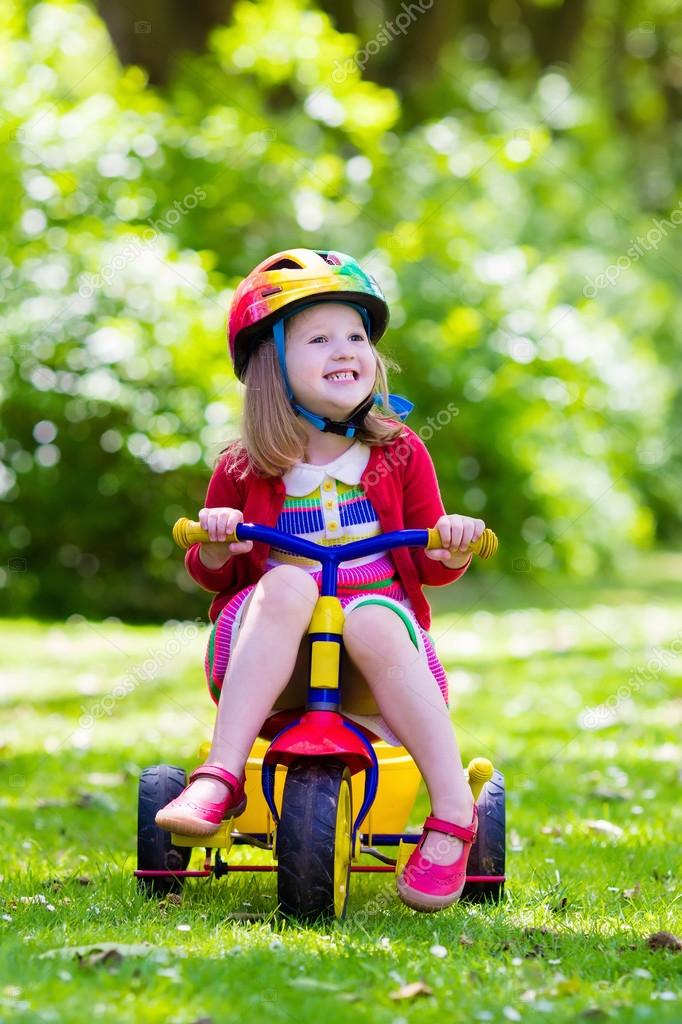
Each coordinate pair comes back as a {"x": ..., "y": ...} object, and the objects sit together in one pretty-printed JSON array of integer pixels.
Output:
[{"x": 327, "y": 505}]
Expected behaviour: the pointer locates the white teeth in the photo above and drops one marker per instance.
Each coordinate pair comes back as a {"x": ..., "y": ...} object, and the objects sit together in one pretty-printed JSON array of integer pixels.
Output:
[{"x": 345, "y": 375}]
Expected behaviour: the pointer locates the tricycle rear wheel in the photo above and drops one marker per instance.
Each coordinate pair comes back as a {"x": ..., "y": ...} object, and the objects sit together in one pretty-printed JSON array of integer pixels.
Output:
[
  {"x": 155, "y": 851},
  {"x": 487, "y": 856},
  {"x": 314, "y": 840}
]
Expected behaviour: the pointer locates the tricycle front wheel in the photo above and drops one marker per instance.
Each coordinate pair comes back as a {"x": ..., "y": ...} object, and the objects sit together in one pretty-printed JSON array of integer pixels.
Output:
[{"x": 314, "y": 840}]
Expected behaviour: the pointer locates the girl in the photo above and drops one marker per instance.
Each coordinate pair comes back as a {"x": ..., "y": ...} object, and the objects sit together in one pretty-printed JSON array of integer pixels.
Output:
[{"x": 320, "y": 459}]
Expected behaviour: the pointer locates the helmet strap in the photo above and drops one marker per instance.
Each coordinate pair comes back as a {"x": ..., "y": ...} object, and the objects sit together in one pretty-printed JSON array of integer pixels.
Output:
[{"x": 347, "y": 427}]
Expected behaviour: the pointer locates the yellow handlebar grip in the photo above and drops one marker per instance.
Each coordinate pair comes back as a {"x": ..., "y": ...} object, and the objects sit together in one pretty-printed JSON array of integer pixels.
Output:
[
  {"x": 485, "y": 546},
  {"x": 186, "y": 532},
  {"x": 479, "y": 772}
]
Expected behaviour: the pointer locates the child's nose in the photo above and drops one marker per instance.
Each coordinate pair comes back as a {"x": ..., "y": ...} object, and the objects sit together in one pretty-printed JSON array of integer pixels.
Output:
[{"x": 343, "y": 351}]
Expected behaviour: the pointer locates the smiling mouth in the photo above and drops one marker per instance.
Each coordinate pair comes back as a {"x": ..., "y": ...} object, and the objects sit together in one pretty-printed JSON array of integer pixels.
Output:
[{"x": 341, "y": 375}]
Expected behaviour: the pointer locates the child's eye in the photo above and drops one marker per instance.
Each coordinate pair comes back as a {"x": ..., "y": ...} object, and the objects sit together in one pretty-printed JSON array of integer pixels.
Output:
[{"x": 321, "y": 337}]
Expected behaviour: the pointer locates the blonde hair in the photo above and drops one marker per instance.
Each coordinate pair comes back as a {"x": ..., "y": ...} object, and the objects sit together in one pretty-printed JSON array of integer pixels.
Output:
[{"x": 273, "y": 438}]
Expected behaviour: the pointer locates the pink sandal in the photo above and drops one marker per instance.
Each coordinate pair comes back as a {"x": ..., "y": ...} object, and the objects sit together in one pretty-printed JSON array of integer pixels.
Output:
[
  {"x": 188, "y": 817},
  {"x": 424, "y": 885}
]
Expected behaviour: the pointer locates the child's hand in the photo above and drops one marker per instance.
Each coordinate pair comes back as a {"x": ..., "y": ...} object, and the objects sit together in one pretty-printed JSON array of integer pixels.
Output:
[
  {"x": 456, "y": 532},
  {"x": 218, "y": 523}
]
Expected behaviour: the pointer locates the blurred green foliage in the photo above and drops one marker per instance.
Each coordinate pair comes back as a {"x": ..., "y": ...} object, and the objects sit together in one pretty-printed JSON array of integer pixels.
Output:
[{"x": 501, "y": 226}]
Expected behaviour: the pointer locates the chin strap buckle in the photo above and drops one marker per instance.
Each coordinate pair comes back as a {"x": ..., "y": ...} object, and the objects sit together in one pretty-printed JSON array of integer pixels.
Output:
[{"x": 398, "y": 404}]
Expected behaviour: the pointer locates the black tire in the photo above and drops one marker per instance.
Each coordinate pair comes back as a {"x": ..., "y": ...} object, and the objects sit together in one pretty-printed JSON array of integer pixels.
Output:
[
  {"x": 313, "y": 840},
  {"x": 487, "y": 855},
  {"x": 155, "y": 851}
]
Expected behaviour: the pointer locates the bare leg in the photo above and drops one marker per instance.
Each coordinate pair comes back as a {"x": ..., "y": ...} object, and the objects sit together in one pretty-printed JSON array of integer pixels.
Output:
[
  {"x": 260, "y": 666},
  {"x": 411, "y": 702}
]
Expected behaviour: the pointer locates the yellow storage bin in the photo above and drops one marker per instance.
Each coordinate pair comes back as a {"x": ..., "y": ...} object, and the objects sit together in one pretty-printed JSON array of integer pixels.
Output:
[{"x": 399, "y": 780}]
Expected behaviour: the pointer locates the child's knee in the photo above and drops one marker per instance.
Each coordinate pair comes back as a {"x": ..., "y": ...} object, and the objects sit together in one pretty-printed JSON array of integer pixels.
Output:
[
  {"x": 371, "y": 629},
  {"x": 289, "y": 590}
]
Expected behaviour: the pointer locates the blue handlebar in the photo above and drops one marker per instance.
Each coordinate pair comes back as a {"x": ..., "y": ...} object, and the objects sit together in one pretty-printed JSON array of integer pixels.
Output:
[
  {"x": 331, "y": 557},
  {"x": 339, "y": 552}
]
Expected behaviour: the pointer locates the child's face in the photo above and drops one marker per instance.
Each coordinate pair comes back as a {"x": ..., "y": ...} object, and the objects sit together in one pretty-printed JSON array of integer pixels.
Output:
[{"x": 327, "y": 339}]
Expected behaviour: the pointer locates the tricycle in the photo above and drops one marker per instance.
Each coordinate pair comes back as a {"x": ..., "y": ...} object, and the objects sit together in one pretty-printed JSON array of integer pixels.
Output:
[{"x": 311, "y": 767}]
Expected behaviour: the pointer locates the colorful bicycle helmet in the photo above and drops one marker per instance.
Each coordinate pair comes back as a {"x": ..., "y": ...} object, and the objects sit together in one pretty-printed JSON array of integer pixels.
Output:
[{"x": 286, "y": 283}]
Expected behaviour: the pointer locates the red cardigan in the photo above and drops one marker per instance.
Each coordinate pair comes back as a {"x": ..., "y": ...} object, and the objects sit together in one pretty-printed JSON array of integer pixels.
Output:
[{"x": 399, "y": 480}]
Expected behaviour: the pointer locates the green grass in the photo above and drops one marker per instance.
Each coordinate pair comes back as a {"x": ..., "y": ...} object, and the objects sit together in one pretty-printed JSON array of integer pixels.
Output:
[{"x": 570, "y": 941}]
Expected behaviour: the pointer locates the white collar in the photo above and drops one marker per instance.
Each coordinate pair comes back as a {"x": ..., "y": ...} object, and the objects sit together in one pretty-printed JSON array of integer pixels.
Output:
[{"x": 303, "y": 478}]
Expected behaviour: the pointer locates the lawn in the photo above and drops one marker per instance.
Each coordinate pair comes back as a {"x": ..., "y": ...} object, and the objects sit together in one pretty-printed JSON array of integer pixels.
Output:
[{"x": 573, "y": 690}]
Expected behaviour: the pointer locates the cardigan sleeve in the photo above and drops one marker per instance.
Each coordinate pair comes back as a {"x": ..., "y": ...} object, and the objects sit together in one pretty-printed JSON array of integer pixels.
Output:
[
  {"x": 422, "y": 508},
  {"x": 222, "y": 493}
]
